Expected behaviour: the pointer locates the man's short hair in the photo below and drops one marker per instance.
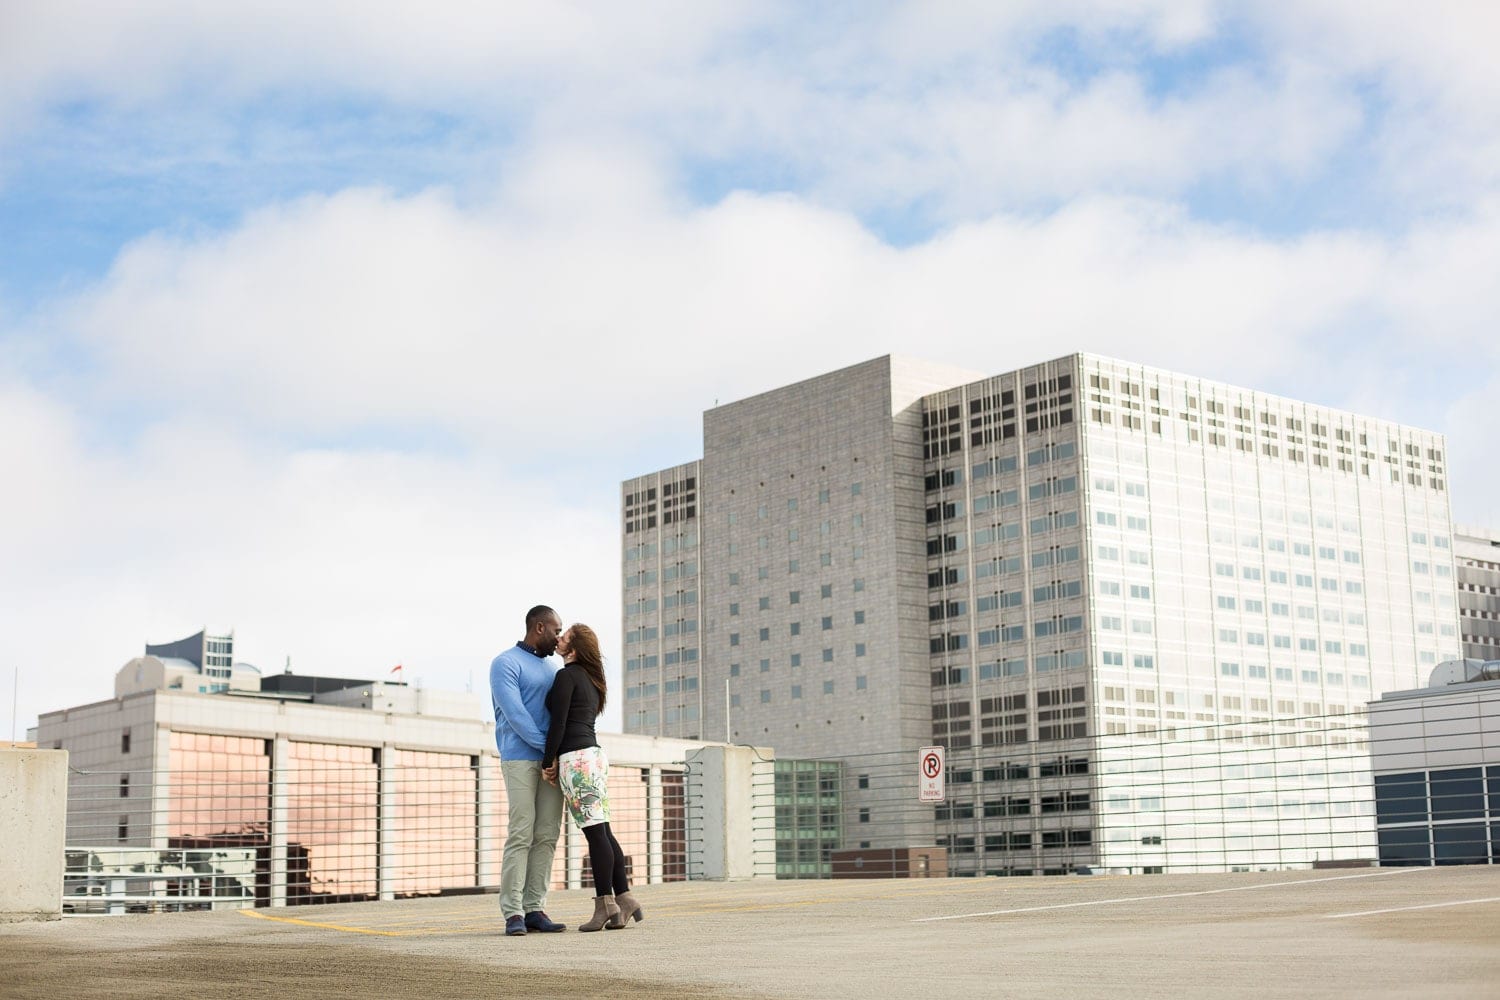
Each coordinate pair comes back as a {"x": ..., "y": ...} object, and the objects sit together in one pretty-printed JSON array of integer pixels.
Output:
[{"x": 536, "y": 614}]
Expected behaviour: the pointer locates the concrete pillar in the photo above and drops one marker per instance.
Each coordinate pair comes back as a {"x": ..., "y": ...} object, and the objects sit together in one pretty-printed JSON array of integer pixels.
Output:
[
  {"x": 574, "y": 848},
  {"x": 161, "y": 788},
  {"x": 654, "y": 825},
  {"x": 33, "y": 821},
  {"x": 723, "y": 825},
  {"x": 280, "y": 816},
  {"x": 486, "y": 822},
  {"x": 385, "y": 818}
]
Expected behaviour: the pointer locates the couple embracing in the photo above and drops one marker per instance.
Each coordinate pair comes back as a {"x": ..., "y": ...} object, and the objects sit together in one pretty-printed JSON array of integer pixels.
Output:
[{"x": 549, "y": 756}]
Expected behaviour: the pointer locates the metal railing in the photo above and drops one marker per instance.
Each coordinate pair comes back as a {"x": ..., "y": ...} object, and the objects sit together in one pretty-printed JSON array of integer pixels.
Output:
[
  {"x": 1170, "y": 795},
  {"x": 230, "y": 831}
]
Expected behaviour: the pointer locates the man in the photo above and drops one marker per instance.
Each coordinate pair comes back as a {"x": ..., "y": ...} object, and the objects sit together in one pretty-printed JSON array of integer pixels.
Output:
[{"x": 520, "y": 678}]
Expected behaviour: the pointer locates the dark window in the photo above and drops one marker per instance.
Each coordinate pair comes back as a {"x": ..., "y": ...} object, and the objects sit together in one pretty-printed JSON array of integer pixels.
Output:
[
  {"x": 125, "y": 786},
  {"x": 125, "y": 741},
  {"x": 1458, "y": 794},
  {"x": 1459, "y": 844},
  {"x": 1404, "y": 848},
  {"x": 1400, "y": 798}
]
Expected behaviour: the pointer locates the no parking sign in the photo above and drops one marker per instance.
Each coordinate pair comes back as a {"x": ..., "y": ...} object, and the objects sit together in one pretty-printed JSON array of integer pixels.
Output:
[{"x": 930, "y": 774}]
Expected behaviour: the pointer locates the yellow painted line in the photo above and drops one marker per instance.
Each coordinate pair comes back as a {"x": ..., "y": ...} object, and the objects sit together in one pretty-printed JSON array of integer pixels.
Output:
[{"x": 314, "y": 923}]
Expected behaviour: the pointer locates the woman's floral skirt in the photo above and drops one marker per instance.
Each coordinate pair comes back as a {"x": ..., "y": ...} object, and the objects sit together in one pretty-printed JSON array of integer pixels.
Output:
[{"x": 583, "y": 776}]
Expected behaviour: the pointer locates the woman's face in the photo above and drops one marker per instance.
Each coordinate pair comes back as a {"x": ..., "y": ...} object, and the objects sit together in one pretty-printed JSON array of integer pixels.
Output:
[{"x": 565, "y": 644}]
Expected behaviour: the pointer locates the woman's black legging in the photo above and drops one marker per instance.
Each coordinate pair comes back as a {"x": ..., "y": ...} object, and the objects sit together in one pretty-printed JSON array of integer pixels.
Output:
[{"x": 607, "y": 860}]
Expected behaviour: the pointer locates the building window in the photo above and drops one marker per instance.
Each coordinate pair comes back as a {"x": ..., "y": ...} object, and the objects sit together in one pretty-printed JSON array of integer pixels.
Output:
[
  {"x": 125, "y": 786},
  {"x": 125, "y": 746}
]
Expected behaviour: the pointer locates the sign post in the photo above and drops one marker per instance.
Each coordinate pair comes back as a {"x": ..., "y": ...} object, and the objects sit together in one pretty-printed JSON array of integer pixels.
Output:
[{"x": 930, "y": 774}]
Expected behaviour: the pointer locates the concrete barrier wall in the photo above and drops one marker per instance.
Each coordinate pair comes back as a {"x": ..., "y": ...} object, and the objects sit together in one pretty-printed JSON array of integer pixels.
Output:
[{"x": 33, "y": 818}]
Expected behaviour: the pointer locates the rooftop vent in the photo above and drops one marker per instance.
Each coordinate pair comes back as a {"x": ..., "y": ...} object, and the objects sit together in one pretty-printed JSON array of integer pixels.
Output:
[{"x": 1464, "y": 672}]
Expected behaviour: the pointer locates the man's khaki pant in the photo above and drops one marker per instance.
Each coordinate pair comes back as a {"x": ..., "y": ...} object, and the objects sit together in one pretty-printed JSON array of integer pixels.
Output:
[{"x": 534, "y": 820}]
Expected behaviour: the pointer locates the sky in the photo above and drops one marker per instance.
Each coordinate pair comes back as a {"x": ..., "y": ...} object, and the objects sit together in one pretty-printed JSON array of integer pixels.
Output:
[{"x": 338, "y": 324}]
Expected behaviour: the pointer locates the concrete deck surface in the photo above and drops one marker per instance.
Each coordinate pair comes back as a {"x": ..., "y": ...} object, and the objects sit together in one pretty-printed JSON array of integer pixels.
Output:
[{"x": 1332, "y": 933}]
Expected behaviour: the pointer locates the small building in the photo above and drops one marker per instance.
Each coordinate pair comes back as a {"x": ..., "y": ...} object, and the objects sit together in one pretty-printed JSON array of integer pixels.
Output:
[{"x": 1435, "y": 756}]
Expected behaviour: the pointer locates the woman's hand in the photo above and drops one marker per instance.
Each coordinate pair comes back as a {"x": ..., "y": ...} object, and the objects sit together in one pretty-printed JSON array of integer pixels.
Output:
[{"x": 550, "y": 773}]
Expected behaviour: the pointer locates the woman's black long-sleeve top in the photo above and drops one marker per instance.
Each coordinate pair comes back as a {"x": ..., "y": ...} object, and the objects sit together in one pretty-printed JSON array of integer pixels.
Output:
[{"x": 574, "y": 704}]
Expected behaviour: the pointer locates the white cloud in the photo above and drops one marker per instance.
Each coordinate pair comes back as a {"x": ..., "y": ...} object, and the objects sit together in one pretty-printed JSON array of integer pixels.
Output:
[
  {"x": 348, "y": 562},
  {"x": 522, "y": 321},
  {"x": 945, "y": 107}
]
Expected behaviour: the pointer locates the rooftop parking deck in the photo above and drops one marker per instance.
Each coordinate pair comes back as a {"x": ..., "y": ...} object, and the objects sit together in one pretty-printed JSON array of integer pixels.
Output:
[{"x": 1402, "y": 932}]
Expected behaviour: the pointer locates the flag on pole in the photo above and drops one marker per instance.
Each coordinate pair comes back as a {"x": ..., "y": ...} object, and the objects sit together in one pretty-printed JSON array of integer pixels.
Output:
[{"x": 396, "y": 669}]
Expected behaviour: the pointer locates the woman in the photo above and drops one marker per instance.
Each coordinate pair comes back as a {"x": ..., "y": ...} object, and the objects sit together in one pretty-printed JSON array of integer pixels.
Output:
[{"x": 575, "y": 761}]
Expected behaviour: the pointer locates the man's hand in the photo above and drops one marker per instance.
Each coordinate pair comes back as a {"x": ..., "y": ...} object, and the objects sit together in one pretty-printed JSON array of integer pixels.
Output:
[{"x": 550, "y": 773}]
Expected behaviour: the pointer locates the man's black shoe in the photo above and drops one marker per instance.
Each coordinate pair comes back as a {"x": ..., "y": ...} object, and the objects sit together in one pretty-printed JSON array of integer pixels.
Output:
[{"x": 536, "y": 920}]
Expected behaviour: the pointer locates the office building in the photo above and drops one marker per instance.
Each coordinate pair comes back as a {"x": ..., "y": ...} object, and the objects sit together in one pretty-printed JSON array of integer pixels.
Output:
[
  {"x": 1078, "y": 563},
  {"x": 1477, "y": 553}
]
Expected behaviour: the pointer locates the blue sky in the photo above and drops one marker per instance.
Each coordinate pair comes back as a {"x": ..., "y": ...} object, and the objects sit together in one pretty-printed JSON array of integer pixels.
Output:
[{"x": 339, "y": 324}]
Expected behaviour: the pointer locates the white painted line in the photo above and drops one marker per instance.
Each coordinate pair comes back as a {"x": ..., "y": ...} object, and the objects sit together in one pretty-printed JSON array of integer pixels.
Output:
[
  {"x": 1402, "y": 909},
  {"x": 1169, "y": 895}
]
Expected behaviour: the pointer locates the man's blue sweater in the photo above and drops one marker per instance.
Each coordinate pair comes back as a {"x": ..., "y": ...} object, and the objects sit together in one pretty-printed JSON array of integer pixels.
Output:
[{"x": 519, "y": 682}]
